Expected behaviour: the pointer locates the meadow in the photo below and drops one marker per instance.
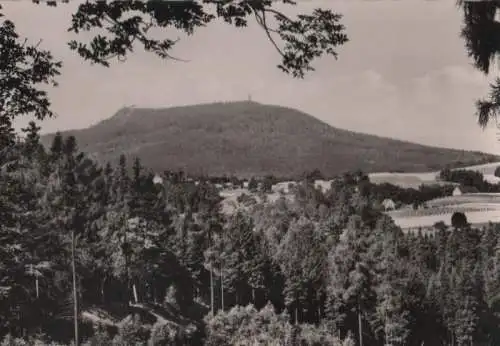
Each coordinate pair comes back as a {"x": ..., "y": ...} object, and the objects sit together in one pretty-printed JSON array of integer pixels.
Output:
[
  {"x": 414, "y": 180},
  {"x": 424, "y": 221},
  {"x": 479, "y": 208}
]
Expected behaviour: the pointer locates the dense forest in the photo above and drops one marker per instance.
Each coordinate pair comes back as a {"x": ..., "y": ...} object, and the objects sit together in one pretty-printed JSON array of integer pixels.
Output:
[
  {"x": 171, "y": 269},
  {"x": 246, "y": 139},
  {"x": 103, "y": 255}
]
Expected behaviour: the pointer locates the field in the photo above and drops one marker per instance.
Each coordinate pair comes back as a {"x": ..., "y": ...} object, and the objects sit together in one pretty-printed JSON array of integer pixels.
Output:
[
  {"x": 475, "y": 218},
  {"x": 405, "y": 180},
  {"x": 414, "y": 180},
  {"x": 469, "y": 198},
  {"x": 480, "y": 208}
]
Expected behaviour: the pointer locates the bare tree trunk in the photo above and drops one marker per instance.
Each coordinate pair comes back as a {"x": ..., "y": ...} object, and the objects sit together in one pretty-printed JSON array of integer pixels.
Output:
[
  {"x": 36, "y": 286},
  {"x": 103, "y": 295},
  {"x": 212, "y": 290},
  {"x": 360, "y": 327},
  {"x": 222, "y": 287},
  {"x": 296, "y": 313},
  {"x": 75, "y": 295},
  {"x": 134, "y": 290}
]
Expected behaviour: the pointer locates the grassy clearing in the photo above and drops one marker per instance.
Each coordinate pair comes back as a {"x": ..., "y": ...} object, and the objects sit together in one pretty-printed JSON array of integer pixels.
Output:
[
  {"x": 480, "y": 208},
  {"x": 474, "y": 217},
  {"x": 469, "y": 198},
  {"x": 414, "y": 180}
]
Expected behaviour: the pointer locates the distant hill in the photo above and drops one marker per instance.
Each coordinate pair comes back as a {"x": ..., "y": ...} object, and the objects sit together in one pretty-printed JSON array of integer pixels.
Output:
[{"x": 248, "y": 138}]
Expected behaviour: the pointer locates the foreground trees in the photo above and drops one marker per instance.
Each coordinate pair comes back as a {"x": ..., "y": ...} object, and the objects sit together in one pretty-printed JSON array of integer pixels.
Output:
[
  {"x": 481, "y": 32},
  {"x": 320, "y": 269}
]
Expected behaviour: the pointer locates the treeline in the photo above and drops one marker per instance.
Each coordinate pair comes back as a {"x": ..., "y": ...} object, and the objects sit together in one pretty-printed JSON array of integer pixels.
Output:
[
  {"x": 322, "y": 269},
  {"x": 469, "y": 178},
  {"x": 410, "y": 196}
]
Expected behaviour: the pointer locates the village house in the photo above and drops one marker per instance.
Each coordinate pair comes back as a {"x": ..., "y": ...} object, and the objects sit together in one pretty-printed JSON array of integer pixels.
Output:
[
  {"x": 388, "y": 204},
  {"x": 323, "y": 185},
  {"x": 460, "y": 190},
  {"x": 157, "y": 179},
  {"x": 284, "y": 186}
]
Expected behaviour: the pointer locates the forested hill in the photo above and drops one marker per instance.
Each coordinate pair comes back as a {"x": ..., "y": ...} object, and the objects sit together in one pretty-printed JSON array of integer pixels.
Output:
[{"x": 247, "y": 139}]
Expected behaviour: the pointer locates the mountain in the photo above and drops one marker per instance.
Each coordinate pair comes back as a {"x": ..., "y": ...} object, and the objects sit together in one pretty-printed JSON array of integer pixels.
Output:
[{"x": 249, "y": 138}]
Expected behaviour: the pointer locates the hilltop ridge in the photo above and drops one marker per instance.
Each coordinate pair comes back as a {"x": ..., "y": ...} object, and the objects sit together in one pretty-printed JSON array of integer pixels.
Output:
[{"x": 248, "y": 138}]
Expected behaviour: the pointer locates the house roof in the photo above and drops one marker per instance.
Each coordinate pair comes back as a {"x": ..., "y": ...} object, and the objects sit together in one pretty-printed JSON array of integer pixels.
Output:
[
  {"x": 467, "y": 189},
  {"x": 387, "y": 201}
]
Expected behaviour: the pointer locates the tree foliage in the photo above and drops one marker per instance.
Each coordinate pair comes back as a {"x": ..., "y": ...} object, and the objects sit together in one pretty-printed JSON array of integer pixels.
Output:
[
  {"x": 24, "y": 71},
  {"x": 303, "y": 39},
  {"x": 481, "y": 32},
  {"x": 319, "y": 268}
]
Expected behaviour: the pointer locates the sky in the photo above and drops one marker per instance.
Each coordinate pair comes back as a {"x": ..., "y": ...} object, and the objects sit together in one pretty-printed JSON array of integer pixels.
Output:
[{"x": 404, "y": 73}]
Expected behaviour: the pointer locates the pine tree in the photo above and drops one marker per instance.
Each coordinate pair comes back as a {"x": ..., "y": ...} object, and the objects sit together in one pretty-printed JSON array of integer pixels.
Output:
[{"x": 351, "y": 295}]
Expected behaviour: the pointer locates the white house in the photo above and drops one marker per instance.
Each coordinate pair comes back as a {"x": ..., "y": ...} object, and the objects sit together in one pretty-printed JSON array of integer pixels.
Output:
[
  {"x": 460, "y": 190},
  {"x": 323, "y": 185},
  {"x": 157, "y": 179},
  {"x": 388, "y": 204},
  {"x": 457, "y": 191},
  {"x": 283, "y": 186}
]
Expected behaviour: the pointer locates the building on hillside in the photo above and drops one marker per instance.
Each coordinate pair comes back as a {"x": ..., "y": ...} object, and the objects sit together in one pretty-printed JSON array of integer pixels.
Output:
[
  {"x": 283, "y": 187},
  {"x": 157, "y": 179},
  {"x": 323, "y": 185},
  {"x": 388, "y": 204},
  {"x": 460, "y": 190}
]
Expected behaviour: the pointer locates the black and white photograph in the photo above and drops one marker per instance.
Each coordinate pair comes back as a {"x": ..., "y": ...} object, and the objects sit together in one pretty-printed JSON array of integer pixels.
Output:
[{"x": 250, "y": 172}]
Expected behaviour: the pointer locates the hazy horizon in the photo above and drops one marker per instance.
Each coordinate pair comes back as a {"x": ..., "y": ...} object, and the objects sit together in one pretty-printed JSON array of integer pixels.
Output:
[{"x": 404, "y": 74}]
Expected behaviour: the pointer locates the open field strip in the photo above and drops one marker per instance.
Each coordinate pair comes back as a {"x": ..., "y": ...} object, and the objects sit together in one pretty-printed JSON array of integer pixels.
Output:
[
  {"x": 465, "y": 199},
  {"x": 414, "y": 180},
  {"x": 475, "y": 217},
  {"x": 464, "y": 208},
  {"x": 479, "y": 208},
  {"x": 485, "y": 169},
  {"x": 405, "y": 180}
]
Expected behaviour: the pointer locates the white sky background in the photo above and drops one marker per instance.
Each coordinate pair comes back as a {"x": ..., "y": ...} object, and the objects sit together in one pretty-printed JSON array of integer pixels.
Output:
[{"x": 404, "y": 74}]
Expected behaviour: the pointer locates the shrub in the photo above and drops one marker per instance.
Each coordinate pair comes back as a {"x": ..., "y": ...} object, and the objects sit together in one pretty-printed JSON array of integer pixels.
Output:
[
  {"x": 317, "y": 335},
  {"x": 252, "y": 185},
  {"x": 172, "y": 297},
  {"x": 497, "y": 172},
  {"x": 248, "y": 326},
  {"x": 458, "y": 220},
  {"x": 132, "y": 333},
  {"x": 100, "y": 337},
  {"x": 9, "y": 340},
  {"x": 244, "y": 325},
  {"x": 163, "y": 334},
  {"x": 171, "y": 334}
]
